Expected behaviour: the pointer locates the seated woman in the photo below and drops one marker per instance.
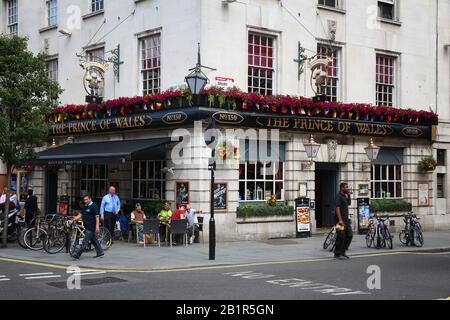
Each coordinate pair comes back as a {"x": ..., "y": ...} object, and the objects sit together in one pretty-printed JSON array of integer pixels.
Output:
[{"x": 138, "y": 217}]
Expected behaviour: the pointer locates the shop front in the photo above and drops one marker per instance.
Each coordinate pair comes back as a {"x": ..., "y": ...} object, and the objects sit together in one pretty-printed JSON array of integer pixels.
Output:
[{"x": 135, "y": 145}]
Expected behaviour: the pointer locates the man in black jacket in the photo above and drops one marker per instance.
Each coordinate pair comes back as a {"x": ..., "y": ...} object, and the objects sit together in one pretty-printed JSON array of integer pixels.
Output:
[
  {"x": 31, "y": 207},
  {"x": 91, "y": 222},
  {"x": 344, "y": 228}
]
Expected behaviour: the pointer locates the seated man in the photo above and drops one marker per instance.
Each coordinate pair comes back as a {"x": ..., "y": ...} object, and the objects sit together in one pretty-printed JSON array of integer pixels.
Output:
[
  {"x": 191, "y": 216},
  {"x": 138, "y": 217},
  {"x": 178, "y": 215},
  {"x": 164, "y": 219}
]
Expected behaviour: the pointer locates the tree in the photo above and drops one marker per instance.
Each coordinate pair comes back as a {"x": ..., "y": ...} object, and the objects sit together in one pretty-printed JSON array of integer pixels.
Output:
[{"x": 26, "y": 98}]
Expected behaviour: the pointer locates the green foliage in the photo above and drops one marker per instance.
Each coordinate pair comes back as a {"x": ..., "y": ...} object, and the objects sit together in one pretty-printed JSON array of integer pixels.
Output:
[
  {"x": 151, "y": 208},
  {"x": 264, "y": 210},
  {"x": 26, "y": 98},
  {"x": 427, "y": 164},
  {"x": 390, "y": 205}
]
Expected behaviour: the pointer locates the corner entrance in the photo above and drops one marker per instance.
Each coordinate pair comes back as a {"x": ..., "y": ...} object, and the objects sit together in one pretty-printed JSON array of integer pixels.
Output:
[{"x": 326, "y": 190}]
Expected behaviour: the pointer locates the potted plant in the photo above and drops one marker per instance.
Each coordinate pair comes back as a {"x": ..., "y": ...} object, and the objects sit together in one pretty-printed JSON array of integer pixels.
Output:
[{"x": 427, "y": 164}]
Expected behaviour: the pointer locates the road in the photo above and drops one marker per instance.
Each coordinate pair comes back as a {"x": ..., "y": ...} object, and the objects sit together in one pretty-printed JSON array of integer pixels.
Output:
[{"x": 401, "y": 276}]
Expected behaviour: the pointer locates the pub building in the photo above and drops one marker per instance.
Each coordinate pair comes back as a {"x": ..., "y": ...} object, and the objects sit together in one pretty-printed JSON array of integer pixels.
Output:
[{"x": 128, "y": 143}]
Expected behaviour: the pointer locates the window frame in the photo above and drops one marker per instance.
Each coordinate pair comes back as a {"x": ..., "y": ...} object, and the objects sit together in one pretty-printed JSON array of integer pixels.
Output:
[
  {"x": 373, "y": 181},
  {"x": 146, "y": 58},
  {"x": 12, "y": 17},
  {"x": 93, "y": 179},
  {"x": 251, "y": 67},
  {"x": 336, "y": 6},
  {"x": 97, "y": 6},
  {"x": 386, "y": 85},
  {"x": 395, "y": 13},
  {"x": 52, "y": 13},
  {"x": 337, "y": 51},
  {"x": 147, "y": 179},
  {"x": 264, "y": 180},
  {"x": 443, "y": 186},
  {"x": 50, "y": 63}
]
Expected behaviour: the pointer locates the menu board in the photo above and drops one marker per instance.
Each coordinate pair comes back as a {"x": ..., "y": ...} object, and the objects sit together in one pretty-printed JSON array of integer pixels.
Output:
[
  {"x": 221, "y": 196},
  {"x": 303, "y": 219}
]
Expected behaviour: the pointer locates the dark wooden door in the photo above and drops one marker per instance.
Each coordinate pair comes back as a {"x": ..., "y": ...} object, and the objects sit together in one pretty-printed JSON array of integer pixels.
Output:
[{"x": 51, "y": 192}]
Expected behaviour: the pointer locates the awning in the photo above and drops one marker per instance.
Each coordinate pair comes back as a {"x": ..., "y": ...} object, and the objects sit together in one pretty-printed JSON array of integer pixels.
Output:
[
  {"x": 388, "y": 155},
  {"x": 104, "y": 152}
]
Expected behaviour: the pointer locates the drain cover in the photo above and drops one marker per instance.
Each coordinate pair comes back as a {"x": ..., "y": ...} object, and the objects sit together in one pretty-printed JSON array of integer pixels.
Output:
[{"x": 89, "y": 282}]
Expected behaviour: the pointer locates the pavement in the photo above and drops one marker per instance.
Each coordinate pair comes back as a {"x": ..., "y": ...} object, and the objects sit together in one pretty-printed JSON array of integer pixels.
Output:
[{"x": 124, "y": 256}]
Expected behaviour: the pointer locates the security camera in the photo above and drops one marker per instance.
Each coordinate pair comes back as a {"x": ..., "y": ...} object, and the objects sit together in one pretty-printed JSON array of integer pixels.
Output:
[{"x": 65, "y": 32}]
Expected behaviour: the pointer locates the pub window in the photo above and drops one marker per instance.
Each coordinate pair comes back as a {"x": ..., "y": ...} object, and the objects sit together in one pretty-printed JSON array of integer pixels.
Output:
[
  {"x": 261, "y": 63},
  {"x": 386, "y": 9},
  {"x": 385, "y": 80},
  {"x": 151, "y": 64},
  {"x": 97, "y": 5},
  {"x": 13, "y": 17},
  {"x": 441, "y": 185},
  {"x": 148, "y": 180},
  {"x": 52, "y": 69},
  {"x": 52, "y": 13},
  {"x": 332, "y": 86},
  {"x": 386, "y": 181},
  {"x": 94, "y": 180},
  {"x": 329, "y": 3},
  {"x": 441, "y": 155},
  {"x": 258, "y": 181}
]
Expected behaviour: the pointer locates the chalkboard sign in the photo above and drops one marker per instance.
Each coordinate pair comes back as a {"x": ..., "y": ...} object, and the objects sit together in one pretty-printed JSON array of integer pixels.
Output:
[{"x": 220, "y": 196}]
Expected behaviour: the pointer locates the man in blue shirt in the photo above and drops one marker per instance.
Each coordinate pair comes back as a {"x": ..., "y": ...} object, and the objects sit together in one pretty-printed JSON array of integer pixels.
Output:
[
  {"x": 91, "y": 222},
  {"x": 109, "y": 210}
]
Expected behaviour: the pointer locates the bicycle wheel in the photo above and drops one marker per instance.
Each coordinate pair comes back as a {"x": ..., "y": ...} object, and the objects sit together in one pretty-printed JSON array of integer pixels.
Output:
[
  {"x": 418, "y": 239},
  {"x": 328, "y": 240},
  {"x": 55, "y": 241},
  {"x": 34, "y": 238},
  {"x": 387, "y": 239},
  {"x": 21, "y": 238},
  {"x": 104, "y": 238},
  {"x": 403, "y": 237},
  {"x": 370, "y": 235}
]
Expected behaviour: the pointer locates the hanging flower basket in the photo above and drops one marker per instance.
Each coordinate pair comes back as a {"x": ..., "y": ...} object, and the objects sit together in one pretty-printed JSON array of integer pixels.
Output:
[{"x": 427, "y": 164}]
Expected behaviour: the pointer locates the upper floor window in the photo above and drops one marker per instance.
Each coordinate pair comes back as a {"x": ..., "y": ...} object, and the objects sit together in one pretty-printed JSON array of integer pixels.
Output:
[
  {"x": 261, "y": 63},
  {"x": 329, "y": 3},
  {"x": 13, "y": 17},
  {"x": 385, "y": 80},
  {"x": 151, "y": 64},
  {"x": 333, "y": 72},
  {"x": 52, "y": 69},
  {"x": 97, "y": 5},
  {"x": 441, "y": 155},
  {"x": 52, "y": 12},
  {"x": 387, "y": 9}
]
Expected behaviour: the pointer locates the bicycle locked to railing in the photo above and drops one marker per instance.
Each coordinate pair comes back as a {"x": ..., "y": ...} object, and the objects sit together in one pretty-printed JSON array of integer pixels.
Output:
[
  {"x": 412, "y": 234},
  {"x": 378, "y": 234}
]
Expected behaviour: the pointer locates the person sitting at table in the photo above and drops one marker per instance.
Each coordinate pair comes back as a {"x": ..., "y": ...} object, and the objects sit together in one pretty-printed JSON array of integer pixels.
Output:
[
  {"x": 138, "y": 217},
  {"x": 178, "y": 215},
  {"x": 164, "y": 219},
  {"x": 191, "y": 216}
]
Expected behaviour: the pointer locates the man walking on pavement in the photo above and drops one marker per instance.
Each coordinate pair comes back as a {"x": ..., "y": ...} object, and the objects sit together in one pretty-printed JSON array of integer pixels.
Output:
[
  {"x": 91, "y": 222},
  {"x": 109, "y": 210},
  {"x": 344, "y": 229}
]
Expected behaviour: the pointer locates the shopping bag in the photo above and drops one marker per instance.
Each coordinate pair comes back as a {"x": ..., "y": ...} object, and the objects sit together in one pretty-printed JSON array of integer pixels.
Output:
[{"x": 149, "y": 239}]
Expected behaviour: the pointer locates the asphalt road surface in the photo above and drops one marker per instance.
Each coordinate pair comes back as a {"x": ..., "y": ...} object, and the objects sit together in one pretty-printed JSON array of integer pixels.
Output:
[{"x": 368, "y": 277}]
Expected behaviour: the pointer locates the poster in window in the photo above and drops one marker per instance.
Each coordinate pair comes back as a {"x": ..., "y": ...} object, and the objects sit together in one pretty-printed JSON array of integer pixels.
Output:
[
  {"x": 182, "y": 192},
  {"x": 220, "y": 196},
  {"x": 424, "y": 195}
]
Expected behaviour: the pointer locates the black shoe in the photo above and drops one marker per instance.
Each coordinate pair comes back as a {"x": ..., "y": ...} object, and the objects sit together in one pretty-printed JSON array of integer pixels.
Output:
[
  {"x": 75, "y": 257},
  {"x": 346, "y": 256},
  {"x": 340, "y": 258},
  {"x": 99, "y": 255}
]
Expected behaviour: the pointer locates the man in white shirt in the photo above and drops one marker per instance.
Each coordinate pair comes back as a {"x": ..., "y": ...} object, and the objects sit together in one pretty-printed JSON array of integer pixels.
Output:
[{"x": 191, "y": 216}]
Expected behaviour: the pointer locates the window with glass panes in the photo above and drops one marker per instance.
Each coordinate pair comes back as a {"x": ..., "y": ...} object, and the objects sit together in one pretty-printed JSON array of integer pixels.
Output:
[
  {"x": 332, "y": 86},
  {"x": 329, "y": 3},
  {"x": 94, "y": 180},
  {"x": 97, "y": 5},
  {"x": 385, "y": 80},
  {"x": 387, "y": 181},
  {"x": 52, "y": 12},
  {"x": 52, "y": 69},
  {"x": 261, "y": 63},
  {"x": 441, "y": 186},
  {"x": 13, "y": 18},
  {"x": 258, "y": 181},
  {"x": 151, "y": 64},
  {"x": 386, "y": 9},
  {"x": 148, "y": 180}
]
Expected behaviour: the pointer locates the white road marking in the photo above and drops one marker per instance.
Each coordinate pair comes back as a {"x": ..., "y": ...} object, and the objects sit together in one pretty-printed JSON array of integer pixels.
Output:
[
  {"x": 2, "y": 276},
  {"x": 42, "y": 277},
  {"x": 35, "y": 274},
  {"x": 5, "y": 279}
]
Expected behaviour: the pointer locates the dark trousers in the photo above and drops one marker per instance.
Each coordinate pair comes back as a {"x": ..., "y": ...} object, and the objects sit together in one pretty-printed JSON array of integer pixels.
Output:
[
  {"x": 343, "y": 240},
  {"x": 110, "y": 222},
  {"x": 90, "y": 237},
  {"x": 162, "y": 232}
]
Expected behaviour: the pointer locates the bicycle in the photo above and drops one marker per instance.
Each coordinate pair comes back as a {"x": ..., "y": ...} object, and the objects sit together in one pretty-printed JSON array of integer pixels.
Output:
[
  {"x": 56, "y": 238},
  {"x": 34, "y": 237},
  {"x": 378, "y": 234},
  {"x": 330, "y": 240},
  {"x": 412, "y": 233},
  {"x": 77, "y": 235}
]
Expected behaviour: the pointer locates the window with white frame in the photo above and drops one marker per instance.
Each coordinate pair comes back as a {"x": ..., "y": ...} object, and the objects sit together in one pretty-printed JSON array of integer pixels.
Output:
[
  {"x": 329, "y": 3},
  {"x": 258, "y": 181},
  {"x": 261, "y": 63},
  {"x": 151, "y": 64},
  {"x": 387, "y": 181},
  {"x": 97, "y": 5},
  {"x": 385, "y": 80},
  {"x": 52, "y": 13},
  {"x": 94, "y": 180},
  {"x": 387, "y": 9},
  {"x": 333, "y": 86},
  {"x": 441, "y": 186},
  {"x": 52, "y": 69},
  {"x": 148, "y": 180},
  {"x": 13, "y": 17}
]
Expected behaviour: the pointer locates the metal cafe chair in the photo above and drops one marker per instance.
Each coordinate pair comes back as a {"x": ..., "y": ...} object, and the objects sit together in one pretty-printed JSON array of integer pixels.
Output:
[
  {"x": 151, "y": 226},
  {"x": 179, "y": 227}
]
